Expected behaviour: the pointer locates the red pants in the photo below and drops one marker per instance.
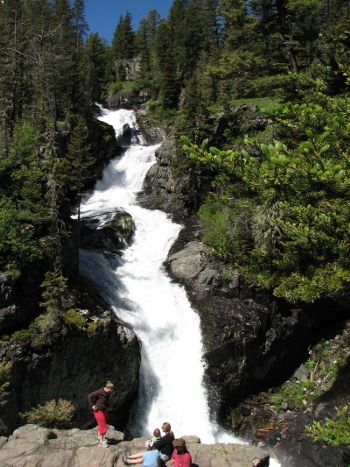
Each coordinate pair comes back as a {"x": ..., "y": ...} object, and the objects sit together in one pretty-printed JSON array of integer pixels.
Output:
[{"x": 100, "y": 417}]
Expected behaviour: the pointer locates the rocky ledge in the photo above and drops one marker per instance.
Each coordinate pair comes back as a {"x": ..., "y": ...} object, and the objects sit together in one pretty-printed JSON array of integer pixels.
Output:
[{"x": 33, "y": 446}]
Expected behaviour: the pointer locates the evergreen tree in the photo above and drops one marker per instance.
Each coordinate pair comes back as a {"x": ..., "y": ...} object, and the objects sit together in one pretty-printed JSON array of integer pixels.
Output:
[
  {"x": 177, "y": 15},
  {"x": 123, "y": 44},
  {"x": 96, "y": 68},
  {"x": 145, "y": 40},
  {"x": 169, "y": 87}
]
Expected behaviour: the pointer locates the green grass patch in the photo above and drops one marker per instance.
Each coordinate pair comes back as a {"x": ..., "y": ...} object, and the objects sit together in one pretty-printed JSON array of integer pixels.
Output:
[{"x": 263, "y": 103}]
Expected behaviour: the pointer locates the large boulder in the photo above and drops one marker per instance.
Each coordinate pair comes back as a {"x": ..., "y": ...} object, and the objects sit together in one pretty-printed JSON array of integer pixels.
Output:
[
  {"x": 31, "y": 446},
  {"x": 109, "y": 236},
  {"x": 162, "y": 189},
  {"x": 152, "y": 134}
]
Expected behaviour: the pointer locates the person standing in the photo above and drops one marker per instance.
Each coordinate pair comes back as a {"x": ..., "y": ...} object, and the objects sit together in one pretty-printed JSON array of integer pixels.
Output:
[{"x": 98, "y": 401}]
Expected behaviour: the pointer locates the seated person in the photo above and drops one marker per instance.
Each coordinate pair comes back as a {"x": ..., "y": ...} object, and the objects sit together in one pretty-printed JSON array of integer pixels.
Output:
[
  {"x": 180, "y": 457},
  {"x": 165, "y": 443},
  {"x": 155, "y": 437},
  {"x": 150, "y": 458}
]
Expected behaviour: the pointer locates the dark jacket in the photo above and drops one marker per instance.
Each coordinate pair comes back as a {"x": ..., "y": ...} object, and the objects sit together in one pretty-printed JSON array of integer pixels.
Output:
[
  {"x": 99, "y": 398},
  {"x": 165, "y": 444}
]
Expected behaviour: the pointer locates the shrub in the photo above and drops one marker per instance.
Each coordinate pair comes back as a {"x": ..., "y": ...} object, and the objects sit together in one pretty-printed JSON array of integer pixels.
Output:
[
  {"x": 94, "y": 327},
  {"x": 287, "y": 197},
  {"x": 74, "y": 319},
  {"x": 45, "y": 329},
  {"x": 53, "y": 414},
  {"x": 5, "y": 369},
  {"x": 115, "y": 87},
  {"x": 268, "y": 85},
  {"x": 295, "y": 395},
  {"x": 335, "y": 432}
]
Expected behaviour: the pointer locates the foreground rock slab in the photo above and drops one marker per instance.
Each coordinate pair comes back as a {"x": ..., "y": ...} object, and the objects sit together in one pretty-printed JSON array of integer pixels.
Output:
[{"x": 33, "y": 446}]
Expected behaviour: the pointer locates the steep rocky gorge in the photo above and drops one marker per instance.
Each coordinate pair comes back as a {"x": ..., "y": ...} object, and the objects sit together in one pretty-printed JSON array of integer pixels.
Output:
[{"x": 253, "y": 342}]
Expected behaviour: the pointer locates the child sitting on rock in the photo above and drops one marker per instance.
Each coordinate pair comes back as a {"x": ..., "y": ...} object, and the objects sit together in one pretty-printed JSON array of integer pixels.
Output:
[
  {"x": 155, "y": 437},
  {"x": 180, "y": 457}
]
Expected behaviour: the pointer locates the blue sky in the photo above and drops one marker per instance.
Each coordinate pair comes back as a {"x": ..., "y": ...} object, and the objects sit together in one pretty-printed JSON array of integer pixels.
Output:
[{"x": 102, "y": 16}]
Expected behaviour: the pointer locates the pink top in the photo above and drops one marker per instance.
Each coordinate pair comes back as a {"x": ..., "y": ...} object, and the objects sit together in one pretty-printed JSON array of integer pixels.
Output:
[{"x": 181, "y": 460}]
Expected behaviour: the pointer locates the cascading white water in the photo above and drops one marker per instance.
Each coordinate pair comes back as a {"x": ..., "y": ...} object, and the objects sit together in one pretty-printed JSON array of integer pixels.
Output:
[{"x": 142, "y": 294}]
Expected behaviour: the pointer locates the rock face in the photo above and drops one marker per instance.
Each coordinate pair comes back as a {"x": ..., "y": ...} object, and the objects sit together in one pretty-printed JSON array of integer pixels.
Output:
[
  {"x": 104, "y": 146},
  {"x": 251, "y": 340},
  {"x": 19, "y": 299},
  {"x": 152, "y": 134},
  {"x": 163, "y": 190},
  {"x": 111, "y": 237},
  {"x": 32, "y": 446},
  {"x": 76, "y": 363},
  {"x": 127, "y": 100}
]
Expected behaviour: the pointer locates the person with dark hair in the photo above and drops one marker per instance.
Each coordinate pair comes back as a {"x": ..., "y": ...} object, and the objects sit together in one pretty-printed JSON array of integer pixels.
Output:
[
  {"x": 165, "y": 443},
  {"x": 180, "y": 457},
  {"x": 98, "y": 401}
]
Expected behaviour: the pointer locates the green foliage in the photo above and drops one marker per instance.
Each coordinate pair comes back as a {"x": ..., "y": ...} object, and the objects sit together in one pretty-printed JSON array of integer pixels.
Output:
[
  {"x": 45, "y": 330},
  {"x": 265, "y": 104},
  {"x": 123, "y": 44},
  {"x": 334, "y": 432},
  {"x": 324, "y": 364},
  {"x": 295, "y": 395},
  {"x": 42, "y": 332},
  {"x": 5, "y": 369},
  {"x": 94, "y": 327},
  {"x": 293, "y": 195},
  {"x": 53, "y": 414},
  {"x": 161, "y": 116},
  {"x": 18, "y": 245},
  {"x": 54, "y": 293},
  {"x": 114, "y": 87},
  {"x": 74, "y": 320}
]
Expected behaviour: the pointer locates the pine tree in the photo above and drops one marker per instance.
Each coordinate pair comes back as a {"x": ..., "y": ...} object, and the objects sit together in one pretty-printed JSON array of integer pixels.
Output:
[
  {"x": 96, "y": 68},
  {"x": 123, "y": 44},
  {"x": 169, "y": 86},
  {"x": 145, "y": 44},
  {"x": 177, "y": 15}
]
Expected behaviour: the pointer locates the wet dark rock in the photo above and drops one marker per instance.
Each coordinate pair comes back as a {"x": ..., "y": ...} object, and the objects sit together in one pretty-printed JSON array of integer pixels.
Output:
[
  {"x": 104, "y": 147},
  {"x": 162, "y": 189},
  {"x": 111, "y": 237},
  {"x": 127, "y": 100},
  {"x": 71, "y": 366},
  {"x": 19, "y": 299},
  {"x": 152, "y": 134}
]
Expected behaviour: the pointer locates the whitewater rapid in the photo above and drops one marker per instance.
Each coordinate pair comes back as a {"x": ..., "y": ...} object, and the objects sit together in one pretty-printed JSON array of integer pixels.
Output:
[{"x": 142, "y": 294}]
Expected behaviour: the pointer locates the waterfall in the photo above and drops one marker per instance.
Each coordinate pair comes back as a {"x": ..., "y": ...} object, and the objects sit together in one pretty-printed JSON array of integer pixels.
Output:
[{"x": 141, "y": 293}]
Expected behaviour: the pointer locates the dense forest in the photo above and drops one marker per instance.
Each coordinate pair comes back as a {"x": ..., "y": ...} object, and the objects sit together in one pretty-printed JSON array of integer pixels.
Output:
[{"x": 273, "y": 203}]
